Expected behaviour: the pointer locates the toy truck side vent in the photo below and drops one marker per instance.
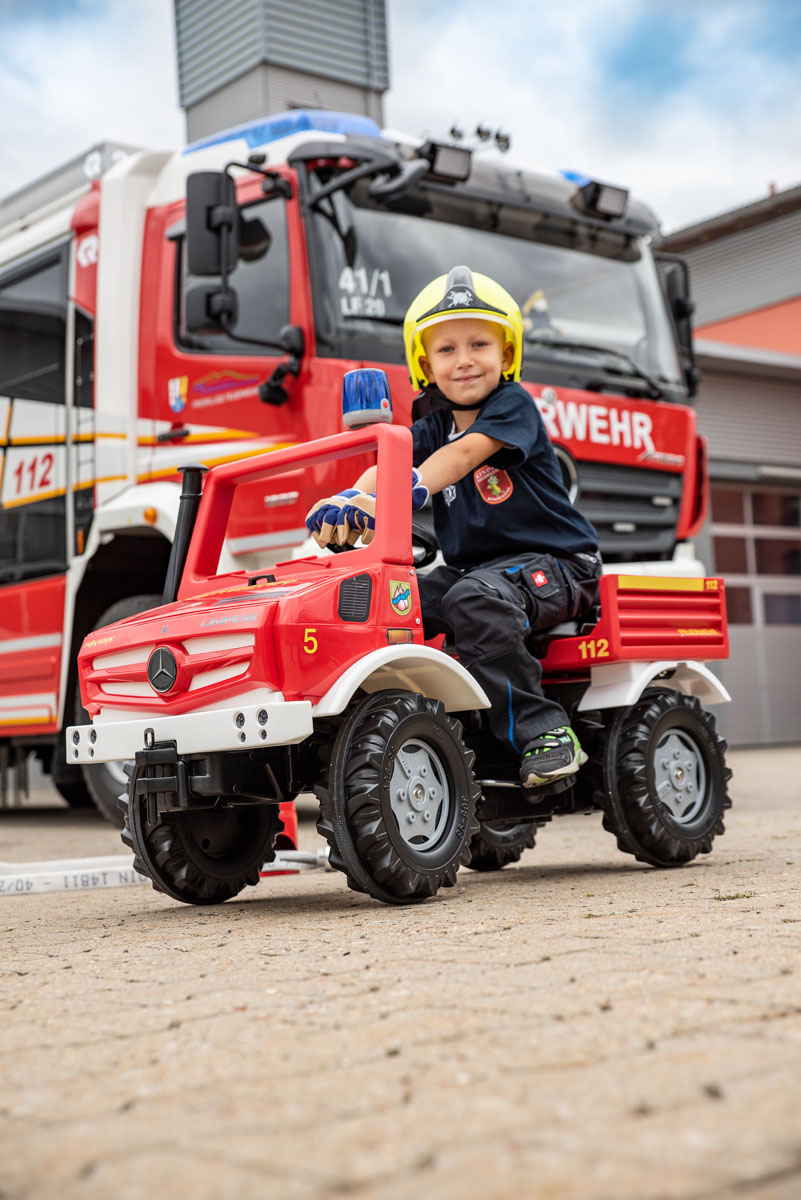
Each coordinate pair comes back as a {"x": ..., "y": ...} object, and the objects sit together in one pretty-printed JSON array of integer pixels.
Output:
[{"x": 355, "y": 595}]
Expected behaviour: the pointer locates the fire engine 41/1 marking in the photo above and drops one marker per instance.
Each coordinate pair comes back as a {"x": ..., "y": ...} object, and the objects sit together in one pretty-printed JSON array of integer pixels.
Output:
[{"x": 360, "y": 292}]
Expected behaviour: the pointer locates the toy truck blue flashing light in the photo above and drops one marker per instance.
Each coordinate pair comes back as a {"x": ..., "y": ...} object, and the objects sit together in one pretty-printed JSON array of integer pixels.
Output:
[{"x": 365, "y": 398}]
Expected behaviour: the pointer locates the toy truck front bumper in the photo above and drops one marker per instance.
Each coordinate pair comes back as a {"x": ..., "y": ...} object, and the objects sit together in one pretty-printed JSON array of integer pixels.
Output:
[{"x": 232, "y": 727}]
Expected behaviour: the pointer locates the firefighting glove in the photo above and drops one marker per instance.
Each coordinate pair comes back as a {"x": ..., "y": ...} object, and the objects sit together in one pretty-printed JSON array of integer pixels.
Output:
[
  {"x": 321, "y": 519},
  {"x": 356, "y": 519},
  {"x": 420, "y": 492}
]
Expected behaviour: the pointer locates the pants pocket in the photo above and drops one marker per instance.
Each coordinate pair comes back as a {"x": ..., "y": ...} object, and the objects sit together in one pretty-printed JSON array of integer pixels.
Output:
[{"x": 548, "y": 595}]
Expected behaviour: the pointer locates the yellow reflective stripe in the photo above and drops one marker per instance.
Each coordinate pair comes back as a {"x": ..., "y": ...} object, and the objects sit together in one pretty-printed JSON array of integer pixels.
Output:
[
  {"x": 52, "y": 439},
  {"x": 35, "y": 498},
  {"x": 213, "y": 462},
  {"x": 659, "y": 583},
  {"x": 28, "y": 721}
]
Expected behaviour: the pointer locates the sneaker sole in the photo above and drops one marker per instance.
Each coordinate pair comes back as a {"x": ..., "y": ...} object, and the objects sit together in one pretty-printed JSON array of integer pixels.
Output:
[{"x": 540, "y": 780}]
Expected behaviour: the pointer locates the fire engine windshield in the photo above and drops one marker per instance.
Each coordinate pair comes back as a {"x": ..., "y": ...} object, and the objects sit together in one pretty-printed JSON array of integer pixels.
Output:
[{"x": 591, "y": 300}]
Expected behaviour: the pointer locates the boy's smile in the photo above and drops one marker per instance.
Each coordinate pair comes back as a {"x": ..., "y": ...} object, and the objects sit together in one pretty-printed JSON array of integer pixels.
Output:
[{"x": 465, "y": 358}]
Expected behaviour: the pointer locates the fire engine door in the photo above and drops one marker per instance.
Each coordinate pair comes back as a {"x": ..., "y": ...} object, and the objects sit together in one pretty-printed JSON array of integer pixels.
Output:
[{"x": 34, "y": 486}]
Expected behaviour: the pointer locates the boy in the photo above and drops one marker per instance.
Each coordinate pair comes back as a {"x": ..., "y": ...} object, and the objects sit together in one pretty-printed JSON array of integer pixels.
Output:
[{"x": 518, "y": 556}]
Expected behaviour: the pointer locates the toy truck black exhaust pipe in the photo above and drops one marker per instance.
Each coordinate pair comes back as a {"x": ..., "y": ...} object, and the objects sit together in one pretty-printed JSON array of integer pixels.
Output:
[{"x": 191, "y": 493}]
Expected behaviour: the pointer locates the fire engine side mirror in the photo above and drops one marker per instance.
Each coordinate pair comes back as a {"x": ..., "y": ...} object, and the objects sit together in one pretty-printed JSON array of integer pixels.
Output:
[
  {"x": 212, "y": 223},
  {"x": 210, "y": 308},
  {"x": 675, "y": 278}
]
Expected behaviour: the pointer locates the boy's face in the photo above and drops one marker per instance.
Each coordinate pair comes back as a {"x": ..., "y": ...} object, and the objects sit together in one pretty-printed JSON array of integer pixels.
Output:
[{"x": 465, "y": 358}]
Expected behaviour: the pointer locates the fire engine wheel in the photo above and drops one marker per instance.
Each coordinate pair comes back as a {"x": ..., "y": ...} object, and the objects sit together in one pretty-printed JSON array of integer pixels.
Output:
[
  {"x": 661, "y": 778},
  {"x": 201, "y": 857},
  {"x": 397, "y": 803},
  {"x": 105, "y": 782},
  {"x": 499, "y": 843}
]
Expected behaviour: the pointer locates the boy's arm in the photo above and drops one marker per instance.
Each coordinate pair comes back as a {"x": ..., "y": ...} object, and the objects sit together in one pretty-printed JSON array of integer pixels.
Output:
[
  {"x": 451, "y": 463},
  {"x": 445, "y": 466},
  {"x": 367, "y": 480}
]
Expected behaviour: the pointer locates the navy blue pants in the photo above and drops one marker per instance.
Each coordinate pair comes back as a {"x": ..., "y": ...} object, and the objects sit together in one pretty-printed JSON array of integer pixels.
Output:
[{"x": 491, "y": 612}]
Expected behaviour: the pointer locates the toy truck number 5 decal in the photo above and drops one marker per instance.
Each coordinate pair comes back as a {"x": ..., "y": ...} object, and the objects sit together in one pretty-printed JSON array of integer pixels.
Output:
[
  {"x": 309, "y": 640},
  {"x": 592, "y": 648}
]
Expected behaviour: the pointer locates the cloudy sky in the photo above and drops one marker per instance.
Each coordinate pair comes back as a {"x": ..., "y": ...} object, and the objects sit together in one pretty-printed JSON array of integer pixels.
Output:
[{"x": 694, "y": 104}]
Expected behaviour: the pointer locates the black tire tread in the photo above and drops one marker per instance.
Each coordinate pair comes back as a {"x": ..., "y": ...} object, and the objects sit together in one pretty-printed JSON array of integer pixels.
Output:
[
  {"x": 350, "y": 818},
  {"x": 492, "y": 849},
  {"x": 160, "y": 854},
  {"x": 618, "y": 768}
]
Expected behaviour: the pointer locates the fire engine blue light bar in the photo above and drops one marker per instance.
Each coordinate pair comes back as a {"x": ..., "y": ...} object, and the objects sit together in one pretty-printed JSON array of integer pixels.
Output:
[
  {"x": 299, "y": 120},
  {"x": 575, "y": 177}
]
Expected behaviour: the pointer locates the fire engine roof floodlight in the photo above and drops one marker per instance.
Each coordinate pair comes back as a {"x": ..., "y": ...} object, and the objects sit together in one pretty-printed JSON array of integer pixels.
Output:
[
  {"x": 451, "y": 163},
  {"x": 596, "y": 198},
  {"x": 299, "y": 120}
]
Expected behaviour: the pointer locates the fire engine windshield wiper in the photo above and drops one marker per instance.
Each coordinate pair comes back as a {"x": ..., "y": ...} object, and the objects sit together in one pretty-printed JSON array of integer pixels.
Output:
[
  {"x": 556, "y": 344},
  {"x": 396, "y": 321}
]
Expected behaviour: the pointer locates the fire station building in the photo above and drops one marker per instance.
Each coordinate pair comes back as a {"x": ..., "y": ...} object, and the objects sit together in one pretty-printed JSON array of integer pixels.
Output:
[{"x": 746, "y": 278}]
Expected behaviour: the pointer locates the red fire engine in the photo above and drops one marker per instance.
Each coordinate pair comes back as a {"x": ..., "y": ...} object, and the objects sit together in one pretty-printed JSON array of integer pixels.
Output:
[{"x": 126, "y": 353}]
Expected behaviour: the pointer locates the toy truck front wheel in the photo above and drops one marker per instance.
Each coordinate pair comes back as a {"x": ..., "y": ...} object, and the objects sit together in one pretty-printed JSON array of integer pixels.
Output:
[
  {"x": 200, "y": 855},
  {"x": 398, "y": 798}
]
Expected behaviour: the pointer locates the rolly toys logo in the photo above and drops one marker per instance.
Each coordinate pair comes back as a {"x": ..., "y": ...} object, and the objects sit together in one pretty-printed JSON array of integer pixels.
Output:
[{"x": 400, "y": 597}]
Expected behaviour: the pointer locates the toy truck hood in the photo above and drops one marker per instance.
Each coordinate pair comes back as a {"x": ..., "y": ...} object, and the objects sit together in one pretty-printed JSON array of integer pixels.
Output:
[{"x": 213, "y": 645}]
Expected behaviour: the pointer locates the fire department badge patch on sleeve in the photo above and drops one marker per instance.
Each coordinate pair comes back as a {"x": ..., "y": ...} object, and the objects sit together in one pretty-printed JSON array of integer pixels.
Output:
[{"x": 493, "y": 486}]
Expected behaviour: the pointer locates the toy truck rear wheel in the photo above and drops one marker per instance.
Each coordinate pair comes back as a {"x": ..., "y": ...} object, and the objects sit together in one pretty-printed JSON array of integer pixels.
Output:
[
  {"x": 661, "y": 778},
  {"x": 397, "y": 802},
  {"x": 200, "y": 856},
  {"x": 499, "y": 843}
]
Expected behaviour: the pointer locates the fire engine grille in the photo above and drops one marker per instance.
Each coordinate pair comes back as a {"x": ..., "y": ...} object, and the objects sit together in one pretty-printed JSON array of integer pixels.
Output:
[
  {"x": 635, "y": 510},
  {"x": 354, "y": 598}
]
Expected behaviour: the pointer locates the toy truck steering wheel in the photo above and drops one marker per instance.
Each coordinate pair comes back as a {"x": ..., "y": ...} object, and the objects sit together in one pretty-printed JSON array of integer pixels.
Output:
[{"x": 425, "y": 546}]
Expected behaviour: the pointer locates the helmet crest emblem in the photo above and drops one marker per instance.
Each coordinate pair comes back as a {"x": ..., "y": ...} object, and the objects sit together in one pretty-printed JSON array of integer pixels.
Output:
[{"x": 460, "y": 299}]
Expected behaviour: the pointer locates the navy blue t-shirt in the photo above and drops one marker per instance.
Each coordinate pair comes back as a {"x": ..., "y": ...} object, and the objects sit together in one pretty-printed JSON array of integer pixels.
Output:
[{"x": 516, "y": 501}]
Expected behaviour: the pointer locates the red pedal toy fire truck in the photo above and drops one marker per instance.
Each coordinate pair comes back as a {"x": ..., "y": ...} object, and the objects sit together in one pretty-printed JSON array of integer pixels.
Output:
[
  {"x": 252, "y": 686},
  {"x": 163, "y": 308}
]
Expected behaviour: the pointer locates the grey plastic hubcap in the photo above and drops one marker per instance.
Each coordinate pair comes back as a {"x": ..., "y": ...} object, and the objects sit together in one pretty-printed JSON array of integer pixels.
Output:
[
  {"x": 419, "y": 795},
  {"x": 680, "y": 776}
]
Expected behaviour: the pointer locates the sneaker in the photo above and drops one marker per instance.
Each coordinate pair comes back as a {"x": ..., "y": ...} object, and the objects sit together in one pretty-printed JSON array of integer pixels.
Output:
[{"x": 551, "y": 756}]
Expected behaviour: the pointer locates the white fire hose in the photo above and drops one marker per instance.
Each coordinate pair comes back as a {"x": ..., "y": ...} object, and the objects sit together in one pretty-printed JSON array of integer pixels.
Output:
[{"x": 116, "y": 870}]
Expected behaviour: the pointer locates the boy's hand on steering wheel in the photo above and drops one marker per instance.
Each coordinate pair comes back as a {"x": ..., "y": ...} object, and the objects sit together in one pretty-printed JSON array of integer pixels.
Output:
[
  {"x": 356, "y": 519},
  {"x": 349, "y": 515},
  {"x": 321, "y": 519}
]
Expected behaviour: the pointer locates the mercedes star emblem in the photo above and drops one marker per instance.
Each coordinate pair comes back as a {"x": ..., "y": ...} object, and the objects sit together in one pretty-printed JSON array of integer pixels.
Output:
[{"x": 162, "y": 669}]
